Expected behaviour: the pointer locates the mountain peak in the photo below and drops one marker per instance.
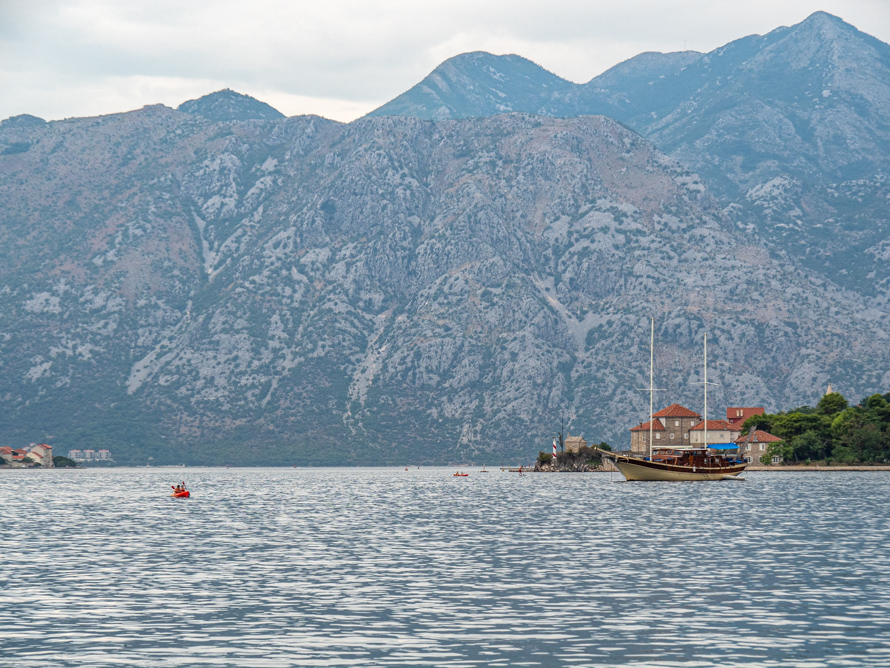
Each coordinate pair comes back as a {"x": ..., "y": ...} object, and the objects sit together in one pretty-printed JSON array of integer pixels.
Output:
[
  {"x": 477, "y": 83},
  {"x": 227, "y": 105},
  {"x": 22, "y": 121}
]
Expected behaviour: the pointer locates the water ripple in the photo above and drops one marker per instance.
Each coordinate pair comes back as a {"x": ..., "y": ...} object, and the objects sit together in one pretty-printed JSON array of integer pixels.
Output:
[{"x": 383, "y": 567}]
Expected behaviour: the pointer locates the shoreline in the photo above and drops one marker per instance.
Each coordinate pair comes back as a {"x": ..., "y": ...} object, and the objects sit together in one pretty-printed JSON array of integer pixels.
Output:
[{"x": 820, "y": 469}]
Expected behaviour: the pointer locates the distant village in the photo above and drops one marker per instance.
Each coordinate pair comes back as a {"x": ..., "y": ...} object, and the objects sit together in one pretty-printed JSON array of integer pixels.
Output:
[
  {"x": 677, "y": 425},
  {"x": 40, "y": 455}
]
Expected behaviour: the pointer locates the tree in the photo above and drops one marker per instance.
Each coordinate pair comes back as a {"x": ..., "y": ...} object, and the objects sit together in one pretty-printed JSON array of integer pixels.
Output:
[
  {"x": 809, "y": 445},
  {"x": 832, "y": 403},
  {"x": 61, "y": 462}
]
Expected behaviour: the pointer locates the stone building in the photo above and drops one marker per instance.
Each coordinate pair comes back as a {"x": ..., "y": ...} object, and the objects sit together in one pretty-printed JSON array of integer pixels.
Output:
[
  {"x": 671, "y": 427},
  {"x": 752, "y": 449},
  {"x": 575, "y": 443}
]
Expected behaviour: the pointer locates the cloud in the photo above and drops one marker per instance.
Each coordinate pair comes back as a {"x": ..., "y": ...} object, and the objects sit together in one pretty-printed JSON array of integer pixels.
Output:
[{"x": 70, "y": 57}]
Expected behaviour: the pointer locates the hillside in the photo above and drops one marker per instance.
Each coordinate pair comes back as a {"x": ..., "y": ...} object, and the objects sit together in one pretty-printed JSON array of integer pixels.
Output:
[
  {"x": 392, "y": 290},
  {"x": 790, "y": 131}
]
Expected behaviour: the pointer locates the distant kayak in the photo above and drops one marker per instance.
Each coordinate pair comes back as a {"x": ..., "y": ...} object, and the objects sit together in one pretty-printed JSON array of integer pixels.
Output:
[
  {"x": 181, "y": 495},
  {"x": 461, "y": 475}
]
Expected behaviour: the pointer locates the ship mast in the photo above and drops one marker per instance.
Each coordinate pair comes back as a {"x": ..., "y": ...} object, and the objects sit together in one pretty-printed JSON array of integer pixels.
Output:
[
  {"x": 651, "y": 384},
  {"x": 706, "y": 383},
  {"x": 706, "y": 390},
  {"x": 651, "y": 389}
]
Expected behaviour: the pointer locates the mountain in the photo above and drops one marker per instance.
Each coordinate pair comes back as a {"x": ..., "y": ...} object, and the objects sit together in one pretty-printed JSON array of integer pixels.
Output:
[
  {"x": 393, "y": 290},
  {"x": 227, "y": 105},
  {"x": 790, "y": 130},
  {"x": 479, "y": 84}
]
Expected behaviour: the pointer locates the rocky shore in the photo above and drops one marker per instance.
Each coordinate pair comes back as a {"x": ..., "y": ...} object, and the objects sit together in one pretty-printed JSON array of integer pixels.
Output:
[{"x": 584, "y": 461}]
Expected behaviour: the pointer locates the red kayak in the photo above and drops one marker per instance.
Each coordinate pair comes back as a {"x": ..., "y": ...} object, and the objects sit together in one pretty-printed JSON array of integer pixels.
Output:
[{"x": 181, "y": 495}]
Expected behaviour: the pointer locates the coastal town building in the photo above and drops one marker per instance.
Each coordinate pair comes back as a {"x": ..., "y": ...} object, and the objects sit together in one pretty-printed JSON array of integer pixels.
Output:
[
  {"x": 754, "y": 446},
  {"x": 90, "y": 455},
  {"x": 737, "y": 414},
  {"x": 574, "y": 443},
  {"x": 6, "y": 455},
  {"x": 671, "y": 427},
  {"x": 42, "y": 454},
  {"x": 719, "y": 431}
]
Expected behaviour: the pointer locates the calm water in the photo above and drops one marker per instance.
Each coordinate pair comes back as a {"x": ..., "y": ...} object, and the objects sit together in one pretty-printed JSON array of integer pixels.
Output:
[{"x": 383, "y": 567}]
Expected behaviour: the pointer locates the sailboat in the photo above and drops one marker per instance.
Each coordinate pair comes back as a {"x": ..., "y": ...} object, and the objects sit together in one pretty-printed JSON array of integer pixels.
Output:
[{"x": 682, "y": 463}]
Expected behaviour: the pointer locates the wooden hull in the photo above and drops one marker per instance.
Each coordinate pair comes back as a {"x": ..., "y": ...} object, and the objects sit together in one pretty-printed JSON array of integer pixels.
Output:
[{"x": 639, "y": 469}]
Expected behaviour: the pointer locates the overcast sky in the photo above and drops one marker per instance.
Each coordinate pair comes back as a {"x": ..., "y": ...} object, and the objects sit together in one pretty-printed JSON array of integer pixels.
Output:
[{"x": 341, "y": 59}]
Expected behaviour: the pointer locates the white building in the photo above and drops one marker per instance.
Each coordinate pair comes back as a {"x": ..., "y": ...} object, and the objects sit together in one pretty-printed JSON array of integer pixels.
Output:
[
  {"x": 103, "y": 456},
  {"x": 42, "y": 454},
  {"x": 76, "y": 455},
  {"x": 719, "y": 431},
  {"x": 89, "y": 455}
]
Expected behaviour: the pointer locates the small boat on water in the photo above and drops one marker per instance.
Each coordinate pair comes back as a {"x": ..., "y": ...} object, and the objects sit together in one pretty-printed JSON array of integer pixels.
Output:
[
  {"x": 458, "y": 474},
  {"x": 183, "y": 494}
]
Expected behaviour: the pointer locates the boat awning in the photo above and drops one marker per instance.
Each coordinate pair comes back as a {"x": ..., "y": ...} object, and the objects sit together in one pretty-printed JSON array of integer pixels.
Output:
[{"x": 723, "y": 446}]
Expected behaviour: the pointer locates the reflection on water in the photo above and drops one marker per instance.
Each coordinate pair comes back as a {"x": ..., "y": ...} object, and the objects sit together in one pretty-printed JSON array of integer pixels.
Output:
[{"x": 384, "y": 567}]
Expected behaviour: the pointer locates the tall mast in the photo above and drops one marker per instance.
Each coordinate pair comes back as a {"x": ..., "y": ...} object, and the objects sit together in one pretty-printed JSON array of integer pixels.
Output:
[
  {"x": 651, "y": 389},
  {"x": 651, "y": 384},
  {"x": 706, "y": 390}
]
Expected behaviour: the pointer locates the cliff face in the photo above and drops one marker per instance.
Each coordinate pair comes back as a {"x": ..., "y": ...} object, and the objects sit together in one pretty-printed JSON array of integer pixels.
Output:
[
  {"x": 301, "y": 291},
  {"x": 789, "y": 130}
]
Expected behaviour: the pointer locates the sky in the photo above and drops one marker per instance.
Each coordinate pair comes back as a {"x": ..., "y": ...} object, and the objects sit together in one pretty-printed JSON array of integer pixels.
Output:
[{"x": 342, "y": 58}]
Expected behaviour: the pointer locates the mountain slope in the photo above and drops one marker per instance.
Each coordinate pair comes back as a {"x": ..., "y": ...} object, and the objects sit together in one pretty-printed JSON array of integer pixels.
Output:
[
  {"x": 791, "y": 130},
  {"x": 227, "y": 105},
  {"x": 478, "y": 84},
  {"x": 302, "y": 291}
]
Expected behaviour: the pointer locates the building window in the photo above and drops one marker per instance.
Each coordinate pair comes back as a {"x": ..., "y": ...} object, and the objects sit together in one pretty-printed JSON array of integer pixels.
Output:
[
  {"x": 676, "y": 423},
  {"x": 686, "y": 436},
  {"x": 672, "y": 436},
  {"x": 761, "y": 446},
  {"x": 775, "y": 460},
  {"x": 657, "y": 437}
]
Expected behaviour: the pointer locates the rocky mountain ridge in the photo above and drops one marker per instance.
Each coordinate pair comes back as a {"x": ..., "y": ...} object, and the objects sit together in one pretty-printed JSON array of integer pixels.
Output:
[
  {"x": 392, "y": 290},
  {"x": 790, "y": 130}
]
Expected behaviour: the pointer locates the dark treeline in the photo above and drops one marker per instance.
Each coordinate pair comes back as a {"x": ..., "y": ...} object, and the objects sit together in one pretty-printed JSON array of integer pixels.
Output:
[{"x": 833, "y": 431}]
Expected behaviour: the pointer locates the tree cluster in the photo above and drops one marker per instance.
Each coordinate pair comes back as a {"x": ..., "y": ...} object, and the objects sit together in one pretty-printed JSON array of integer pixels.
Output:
[{"x": 833, "y": 431}]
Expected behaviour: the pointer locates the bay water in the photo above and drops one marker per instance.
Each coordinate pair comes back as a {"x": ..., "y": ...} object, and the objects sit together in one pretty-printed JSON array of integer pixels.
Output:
[{"x": 388, "y": 567}]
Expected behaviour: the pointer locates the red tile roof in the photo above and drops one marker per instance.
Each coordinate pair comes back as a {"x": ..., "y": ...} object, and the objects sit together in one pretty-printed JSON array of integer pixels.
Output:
[
  {"x": 715, "y": 425},
  {"x": 20, "y": 451},
  {"x": 6, "y": 450},
  {"x": 657, "y": 426},
  {"x": 676, "y": 410},
  {"x": 759, "y": 437}
]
